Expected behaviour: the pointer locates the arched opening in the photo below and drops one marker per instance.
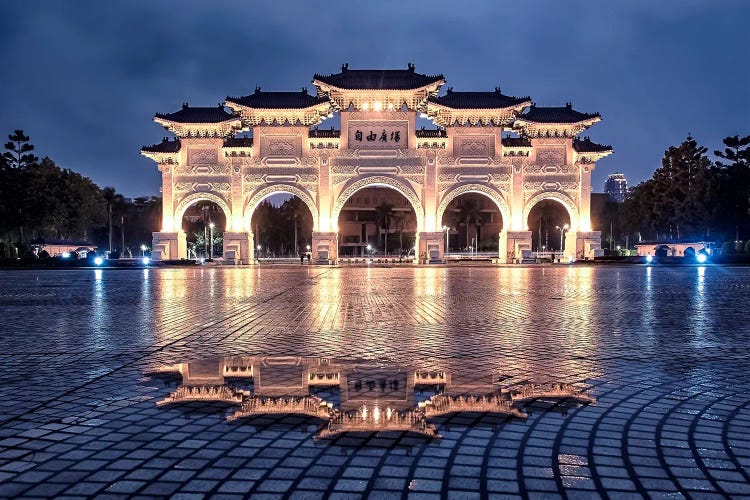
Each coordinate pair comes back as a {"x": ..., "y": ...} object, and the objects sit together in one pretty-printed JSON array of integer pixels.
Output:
[
  {"x": 472, "y": 222},
  {"x": 203, "y": 222},
  {"x": 282, "y": 225},
  {"x": 376, "y": 220},
  {"x": 548, "y": 221}
]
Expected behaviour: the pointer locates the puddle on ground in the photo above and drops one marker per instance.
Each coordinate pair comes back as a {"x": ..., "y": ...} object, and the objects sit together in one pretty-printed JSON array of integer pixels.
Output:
[{"x": 362, "y": 396}]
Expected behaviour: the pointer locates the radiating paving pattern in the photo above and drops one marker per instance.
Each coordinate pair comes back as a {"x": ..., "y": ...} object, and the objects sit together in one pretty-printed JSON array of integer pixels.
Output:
[{"x": 665, "y": 351}]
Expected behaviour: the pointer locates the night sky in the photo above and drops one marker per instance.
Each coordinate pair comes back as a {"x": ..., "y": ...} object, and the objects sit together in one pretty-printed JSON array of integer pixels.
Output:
[{"x": 84, "y": 79}]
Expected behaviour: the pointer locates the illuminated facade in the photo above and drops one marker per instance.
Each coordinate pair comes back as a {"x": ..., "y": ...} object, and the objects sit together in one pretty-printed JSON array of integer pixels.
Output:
[{"x": 378, "y": 145}]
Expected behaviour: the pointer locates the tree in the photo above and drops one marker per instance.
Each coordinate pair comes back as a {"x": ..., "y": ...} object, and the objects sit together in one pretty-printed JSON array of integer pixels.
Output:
[
  {"x": 679, "y": 200},
  {"x": 115, "y": 206},
  {"x": 469, "y": 213},
  {"x": 17, "y": 160},
  {"x": 19, "y": 151},
  {"x": 384, "y": 217},
  {"x": 734, "y": 181}
]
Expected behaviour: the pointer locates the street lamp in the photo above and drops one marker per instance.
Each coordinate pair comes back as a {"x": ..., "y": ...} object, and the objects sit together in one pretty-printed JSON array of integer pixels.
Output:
[
  {"x": 143, "y": 250},
  {"x": 211, "y": 225},
  {"x": 562, "y": 233},
  {"x": 446, "y": 229},
  {"x": 369, "y": 250}
]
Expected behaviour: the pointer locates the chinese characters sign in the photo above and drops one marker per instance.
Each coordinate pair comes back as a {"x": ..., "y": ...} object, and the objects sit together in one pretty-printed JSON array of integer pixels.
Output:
[{"x": 378, "y": 135}]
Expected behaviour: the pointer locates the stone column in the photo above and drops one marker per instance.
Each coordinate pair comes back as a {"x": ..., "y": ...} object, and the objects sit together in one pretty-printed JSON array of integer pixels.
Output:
[
  {"x": 430, "y": 195},
  {"x": 237, "y": 247},
  {"x": 325, "y": 247},
  {"x": 168, "y": 223},
  {"x": 584, "y": 210},
  {"x": 430, "y": 247},
  {"x": 516, "y": 245},
  {"x": 236, "y": 201},
  {"x": 170, "y": 245}
]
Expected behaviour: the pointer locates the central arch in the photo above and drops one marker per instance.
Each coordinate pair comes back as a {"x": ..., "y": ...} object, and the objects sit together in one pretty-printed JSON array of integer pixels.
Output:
[
  {"x": 488, "y": 191},
  {"x": 380, "y": 181},
  {"x": 263, "y": 193}
]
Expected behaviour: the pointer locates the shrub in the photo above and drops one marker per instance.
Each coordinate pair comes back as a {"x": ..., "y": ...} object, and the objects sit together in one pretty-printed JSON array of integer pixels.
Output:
[
  {"x": 747, "y": 246},
  {"x": 727, "y": 248}
]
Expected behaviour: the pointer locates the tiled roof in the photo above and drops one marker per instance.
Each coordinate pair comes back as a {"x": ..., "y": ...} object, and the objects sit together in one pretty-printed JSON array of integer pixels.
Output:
[
  {"x": 388, "y": 79},
  {"x": 238, "y": 142},
  {"x": 165, "y": 146},
  {"x": 565, "y": 114},
  {"x": 516, "y": 142},
  {"x": 324, "y": 133},
  {"x": 433, "y": 133},
  {"x": 278, "y": 100},
  {"x": 585, "y": 145},
  {"x": 478, "y": 100},
  {"x": 187, "y": 114}
]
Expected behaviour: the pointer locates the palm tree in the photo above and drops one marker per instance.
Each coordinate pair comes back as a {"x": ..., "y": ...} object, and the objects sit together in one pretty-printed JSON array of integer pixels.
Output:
[
  {"x": 115, "y": 204},
  {"x": 384, "y": 216},
  {"x": 469, "y": 213},
  {"x": 399, "y": 218},
  {"x": 292, "y": 211}
]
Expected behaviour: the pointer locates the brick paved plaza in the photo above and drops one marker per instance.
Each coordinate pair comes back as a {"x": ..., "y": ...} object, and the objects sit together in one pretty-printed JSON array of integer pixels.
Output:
[{"x": 87, "y": 354}]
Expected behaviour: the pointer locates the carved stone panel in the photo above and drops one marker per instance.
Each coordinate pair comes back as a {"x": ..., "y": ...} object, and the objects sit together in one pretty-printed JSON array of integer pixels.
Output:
[
  {"x": 281, "y": 146},
  {"x": 203, "y": 156},
  {"x": 553, "y": 156},
  {"x": 477, "y": 146}
]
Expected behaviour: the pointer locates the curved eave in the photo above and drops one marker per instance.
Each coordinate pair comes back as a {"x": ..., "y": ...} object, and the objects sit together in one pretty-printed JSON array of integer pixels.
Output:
[
  {"x": 327, "y": 87},
  {"x": 308, "y": 116},
  {"x": 593, "y": 156},
  {"x": 160, "y": 157},
  {"x": 446, "y": 115},
  {"x": 331, "y": 92},
  {"x": 235, "y": 106},
  {"x": 233, "y": 123},
  {"x": 522, "y": 122}
]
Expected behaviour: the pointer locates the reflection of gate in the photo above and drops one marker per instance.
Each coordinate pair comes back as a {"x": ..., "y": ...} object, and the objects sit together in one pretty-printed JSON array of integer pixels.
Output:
[{"x": 378, "y": 145}]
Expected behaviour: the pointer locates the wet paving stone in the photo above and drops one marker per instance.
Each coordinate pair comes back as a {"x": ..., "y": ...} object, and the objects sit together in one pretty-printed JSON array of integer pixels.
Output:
[{"x": 661, "y": 354}]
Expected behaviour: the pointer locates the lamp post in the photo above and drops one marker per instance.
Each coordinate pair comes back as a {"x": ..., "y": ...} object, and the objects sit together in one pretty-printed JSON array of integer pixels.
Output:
[
  {"x": 143, "y": 250},
  {"x": 369, "y": 250},
  {"x": 258, "y": 248},
  {"x": 446, "y": 229},
  {"x": 562, "y": 230},
  {"x": 211, "y": 248}
]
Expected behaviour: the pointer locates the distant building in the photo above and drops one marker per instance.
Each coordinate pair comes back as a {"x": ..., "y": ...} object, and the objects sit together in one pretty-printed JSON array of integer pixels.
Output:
[
  {"x": 60, "y": 247},
  {"x": 616, "y": 186}
]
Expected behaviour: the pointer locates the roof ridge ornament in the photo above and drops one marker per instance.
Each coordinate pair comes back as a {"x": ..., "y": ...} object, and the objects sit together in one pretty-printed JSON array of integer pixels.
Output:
[
  {"x": 410, "y": 66},
  {"x": 344, "y": 67},
  {"x": 569, "y": 105},
  {"x": 185, "y": 105},
  {"x": 257, "y": 89},
  {"x": 497, "y": 89}
]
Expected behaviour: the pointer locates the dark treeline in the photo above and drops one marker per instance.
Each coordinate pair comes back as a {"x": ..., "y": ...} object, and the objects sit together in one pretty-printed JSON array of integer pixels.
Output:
[
  {"x": 38, "y": 199},
  {"x": 690, "y": 196}
]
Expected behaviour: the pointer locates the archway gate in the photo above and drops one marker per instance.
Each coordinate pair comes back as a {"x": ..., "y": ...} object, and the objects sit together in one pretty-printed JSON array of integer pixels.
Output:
[{"x": 485, "y": 142}]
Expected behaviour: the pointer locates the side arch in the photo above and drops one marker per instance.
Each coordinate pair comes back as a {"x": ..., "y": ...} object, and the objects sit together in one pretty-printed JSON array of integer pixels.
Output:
[
  {"x": 492, "y": 193},
  {"x": 266, "y": 191},
  {"x": 565, "y": 200},
  {"x": 382, "y": 181},
  {"x": 191, "y": 198}
]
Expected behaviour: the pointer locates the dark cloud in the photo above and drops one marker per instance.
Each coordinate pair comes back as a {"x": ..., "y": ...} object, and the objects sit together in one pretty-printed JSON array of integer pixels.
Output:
[{"x": 85, "y": 78}]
